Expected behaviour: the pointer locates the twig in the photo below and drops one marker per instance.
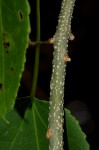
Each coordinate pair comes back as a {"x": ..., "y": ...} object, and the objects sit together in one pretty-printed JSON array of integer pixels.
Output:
[
  {"x": 60, "y": 40},
  {"x": 34, "y": 43}
]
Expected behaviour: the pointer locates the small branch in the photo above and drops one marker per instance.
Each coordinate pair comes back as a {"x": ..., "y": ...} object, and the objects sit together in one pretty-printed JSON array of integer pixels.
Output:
[
  {"x": 56, "y": 114},
  {"x": 34, "y": 43}
]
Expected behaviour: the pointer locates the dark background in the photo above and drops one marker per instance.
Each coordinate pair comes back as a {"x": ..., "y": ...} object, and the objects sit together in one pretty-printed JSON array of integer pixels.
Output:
[{"x": 81, "y": 82}]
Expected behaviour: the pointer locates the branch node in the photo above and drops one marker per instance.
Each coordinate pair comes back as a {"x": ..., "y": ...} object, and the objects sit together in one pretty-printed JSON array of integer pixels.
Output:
[
  {"x": 71, "y": 37},
  {"x": 66, "y": 58},
  {"x": 51, "y": 40},
  {"x": 49, "y": 133}
]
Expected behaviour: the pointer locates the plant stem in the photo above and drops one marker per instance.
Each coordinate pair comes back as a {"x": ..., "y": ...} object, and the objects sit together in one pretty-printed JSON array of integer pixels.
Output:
[
  {"x": 56, "y": 114},
  {"x": 37, "y": 53}
]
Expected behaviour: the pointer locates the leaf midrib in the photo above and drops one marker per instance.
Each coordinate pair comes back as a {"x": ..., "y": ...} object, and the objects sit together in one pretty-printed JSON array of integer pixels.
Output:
[
  {"x": 36, "y": 134},
  {"x": 3, "y": 59},
  {"x": 40, "y": 117}
]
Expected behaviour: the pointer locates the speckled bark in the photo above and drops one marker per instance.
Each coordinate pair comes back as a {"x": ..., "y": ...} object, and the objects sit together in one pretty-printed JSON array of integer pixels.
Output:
[{"x": 56, "y": 113}]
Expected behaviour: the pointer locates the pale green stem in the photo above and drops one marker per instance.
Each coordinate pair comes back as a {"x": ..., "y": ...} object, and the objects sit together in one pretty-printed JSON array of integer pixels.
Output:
[
  {"x": 37, "y": 53},
  {"x": 56, "y": 113}
]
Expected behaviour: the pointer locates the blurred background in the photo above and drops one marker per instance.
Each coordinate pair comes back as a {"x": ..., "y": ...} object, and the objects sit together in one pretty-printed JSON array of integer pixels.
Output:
[{"x": 81, "y": 84}]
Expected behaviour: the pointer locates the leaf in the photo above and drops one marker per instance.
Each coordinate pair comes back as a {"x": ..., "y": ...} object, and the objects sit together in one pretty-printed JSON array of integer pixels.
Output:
[
  {"x": 28, "y": 133},
  {"x": 14, "y": 35},
  {"x": 76, "y": 137}
]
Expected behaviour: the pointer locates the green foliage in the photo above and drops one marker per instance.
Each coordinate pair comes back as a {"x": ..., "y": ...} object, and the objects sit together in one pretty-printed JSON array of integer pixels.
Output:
[
  {"x": 76, "y": 138},
  {"x": 25, "y": 131},
  {"x": 14, "y": 35},
  {"x": 30, "y": 132}
]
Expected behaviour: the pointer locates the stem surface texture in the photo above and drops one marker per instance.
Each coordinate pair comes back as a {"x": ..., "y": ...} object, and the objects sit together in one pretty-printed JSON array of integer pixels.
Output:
[{"x": 56, "y": 113}]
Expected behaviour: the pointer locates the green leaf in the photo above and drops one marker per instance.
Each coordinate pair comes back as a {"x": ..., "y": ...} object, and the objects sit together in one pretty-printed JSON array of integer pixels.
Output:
[
  {"x": 14, "y": 36},
  {"x": 28, "y": 133},
  {"x": 76, "y": 137}
]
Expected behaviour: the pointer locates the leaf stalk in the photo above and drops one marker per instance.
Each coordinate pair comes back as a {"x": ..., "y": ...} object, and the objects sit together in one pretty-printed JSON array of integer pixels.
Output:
[{"x": 37, "y": 52}]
